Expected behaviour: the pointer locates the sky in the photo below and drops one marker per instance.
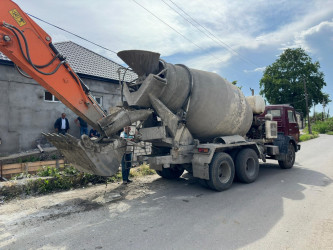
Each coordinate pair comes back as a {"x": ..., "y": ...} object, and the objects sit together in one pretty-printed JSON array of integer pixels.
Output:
[{"x": 235, "y": 39}]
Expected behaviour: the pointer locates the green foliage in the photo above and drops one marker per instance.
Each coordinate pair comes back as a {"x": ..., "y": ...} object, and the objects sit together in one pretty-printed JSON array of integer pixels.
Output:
[
  {"x": 330, "y": 133},
  {"x": 235, "y": 83},
  {"x": 142, "y": 170},
  {"x": 70, "y": 170},
  {"x": 48, "y": 171},
  {"x": 115, "y": 178},
  {"x": 145, "y": 170},
  {"x": 29, "y": 159},
  {"x": 54, "y": 157},
  {"x": 283, "y": 81},
  {"x": 52, "y": 180},
  {"x": 306, "y": 137},
  {"x": 323, "y": 127}
]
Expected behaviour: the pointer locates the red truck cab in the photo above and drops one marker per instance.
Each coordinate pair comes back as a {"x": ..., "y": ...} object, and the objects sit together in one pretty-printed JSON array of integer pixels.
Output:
[
  {"x": 287, "y": 133},
  {"x": 285, "y": 116}
]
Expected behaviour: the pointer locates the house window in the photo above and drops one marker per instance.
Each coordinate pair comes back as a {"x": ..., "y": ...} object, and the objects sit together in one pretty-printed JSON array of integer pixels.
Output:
[
  {"x": 49, "y": 97},
  {"x": 99, "y": 100}
]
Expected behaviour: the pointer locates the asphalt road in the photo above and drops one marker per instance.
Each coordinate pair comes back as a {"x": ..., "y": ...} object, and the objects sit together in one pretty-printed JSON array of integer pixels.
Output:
[{"x": 283, "y": 209}]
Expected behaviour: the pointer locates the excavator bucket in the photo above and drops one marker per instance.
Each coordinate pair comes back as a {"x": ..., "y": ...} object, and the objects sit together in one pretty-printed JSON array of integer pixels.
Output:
[{"x": 102, "y": 158}]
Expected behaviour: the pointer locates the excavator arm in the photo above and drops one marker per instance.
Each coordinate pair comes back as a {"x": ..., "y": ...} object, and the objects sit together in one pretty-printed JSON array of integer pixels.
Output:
[{"x": 29, "y": 47}]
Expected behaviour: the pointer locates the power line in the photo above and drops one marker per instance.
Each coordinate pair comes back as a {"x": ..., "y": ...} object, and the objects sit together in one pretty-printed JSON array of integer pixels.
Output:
[
  {"x": 71, "y": 33},
  {"x": 112, "y": 50},
  {"x": 189, "y": 40},
  {"x": 219, "y": 41}
]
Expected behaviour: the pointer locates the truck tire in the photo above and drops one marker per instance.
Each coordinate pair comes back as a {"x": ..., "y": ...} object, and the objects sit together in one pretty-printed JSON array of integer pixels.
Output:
[
  {"x": 290, "y": 158},
  {"x": 174, "y": 172},
  {"x": 221, "y": 172},
  {"x": 247, "y": 165}
]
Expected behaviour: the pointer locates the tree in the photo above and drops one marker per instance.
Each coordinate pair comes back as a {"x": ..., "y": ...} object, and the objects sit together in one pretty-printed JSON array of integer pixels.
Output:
[{"x": 283, "y": 81}]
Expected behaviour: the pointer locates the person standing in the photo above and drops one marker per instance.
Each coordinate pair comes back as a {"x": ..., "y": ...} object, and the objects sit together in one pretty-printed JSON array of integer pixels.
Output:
[
  {"x": 126, "y": 162},
  {"x": 93, "y": 133},
  {"x": 82, "y": 124},
  {"x": 61, "y": 125}
]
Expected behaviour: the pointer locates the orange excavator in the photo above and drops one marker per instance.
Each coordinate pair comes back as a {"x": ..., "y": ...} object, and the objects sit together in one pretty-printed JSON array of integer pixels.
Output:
[{"x": 29, "y": 47}]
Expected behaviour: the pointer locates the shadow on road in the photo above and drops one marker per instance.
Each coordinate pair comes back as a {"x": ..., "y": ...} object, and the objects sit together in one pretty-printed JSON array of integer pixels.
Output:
[{"x": 175, "y": 213}]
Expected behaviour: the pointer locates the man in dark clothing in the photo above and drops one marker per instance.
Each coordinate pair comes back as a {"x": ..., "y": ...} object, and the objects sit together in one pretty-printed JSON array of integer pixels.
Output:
[
  {"x": 93, "y": 133},
  {"x": 82, "y": 124},
  {"x": 62, "y": 125},
  {"x": 126, "y": 162}
]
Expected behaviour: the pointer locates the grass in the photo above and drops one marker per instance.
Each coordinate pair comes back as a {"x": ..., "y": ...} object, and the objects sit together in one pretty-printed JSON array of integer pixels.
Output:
[
  {"x": 320, "y": 127},
  {"x": 51, "y": 179},
  {"x": 323, "y": 127},
  {"x": 141, "y": 171},
  {"x": 306, "y": 137}
]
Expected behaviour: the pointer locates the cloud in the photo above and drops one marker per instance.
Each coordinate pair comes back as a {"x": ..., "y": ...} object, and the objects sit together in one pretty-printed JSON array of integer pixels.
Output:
[
  {"x": 314, "y": 38},
  {"x": 155, "y": 26},
  {"x": 261, "y": 69},
  {"x": 213, "y": 61}
]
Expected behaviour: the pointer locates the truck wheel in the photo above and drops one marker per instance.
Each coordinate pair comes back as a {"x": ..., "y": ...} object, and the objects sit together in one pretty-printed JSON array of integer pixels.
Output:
[
  {"x": 247, "y": 165},
  {"x": 290, "y": 158},
  {"x": 174, "y": 172},
  {"x": 221, "y": 172}
]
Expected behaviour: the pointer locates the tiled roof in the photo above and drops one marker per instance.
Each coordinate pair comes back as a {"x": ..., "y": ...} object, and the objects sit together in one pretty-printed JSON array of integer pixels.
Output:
[{"x": 87, "y": 62}]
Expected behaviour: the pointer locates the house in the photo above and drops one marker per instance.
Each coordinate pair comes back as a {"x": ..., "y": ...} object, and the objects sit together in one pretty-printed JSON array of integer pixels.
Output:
[{"x": 27, "y": 109}]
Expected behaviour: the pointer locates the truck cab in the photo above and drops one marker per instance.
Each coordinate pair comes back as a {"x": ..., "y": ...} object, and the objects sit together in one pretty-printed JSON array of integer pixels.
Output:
[{"x": 285, "y": 116}]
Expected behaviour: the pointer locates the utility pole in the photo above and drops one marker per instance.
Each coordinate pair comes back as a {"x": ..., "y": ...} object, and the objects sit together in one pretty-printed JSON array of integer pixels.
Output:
[
  {"x": 324, "y": 105},
  {"x": 314, "y": 113},
  {"x": 252, "y": 90},
  {"x": 307, "y": 107}
]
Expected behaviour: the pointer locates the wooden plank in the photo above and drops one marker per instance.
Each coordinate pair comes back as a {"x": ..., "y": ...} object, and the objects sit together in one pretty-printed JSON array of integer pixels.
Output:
[
  {"x": 31, "y": 164},
  {"x": 35, "y": 168},
  {"x": 18, "y": 168},
  {"x": 12, "y": 171},
  {"x": 41, "y": 163},
  {"x": 12, "y": 166}
]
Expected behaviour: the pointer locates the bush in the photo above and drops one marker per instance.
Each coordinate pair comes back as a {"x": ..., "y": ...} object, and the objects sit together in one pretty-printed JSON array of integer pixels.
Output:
[
  {"x": 323, "y": 127},
  {"x": 306, "y": 137},
  {"x": 48, "y": 171},
  {"x": 145, "y": 170}
]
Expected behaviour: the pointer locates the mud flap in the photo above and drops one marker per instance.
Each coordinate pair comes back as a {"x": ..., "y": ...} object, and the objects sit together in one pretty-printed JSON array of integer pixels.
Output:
[{"x": 101, "y": 158}]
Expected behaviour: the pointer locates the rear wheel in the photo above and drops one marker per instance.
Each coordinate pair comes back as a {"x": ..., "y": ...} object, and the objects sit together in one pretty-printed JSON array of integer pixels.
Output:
[
  {"x": 174, "y": 172},
  {"x": 247, "y": 165},
  {"x": 221, "y": 172},
  {"x": 290, "y": 158}
]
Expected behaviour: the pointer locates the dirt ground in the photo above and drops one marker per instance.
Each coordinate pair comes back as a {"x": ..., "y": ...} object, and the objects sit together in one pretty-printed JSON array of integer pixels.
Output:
[{"x": 32, "y": 210}]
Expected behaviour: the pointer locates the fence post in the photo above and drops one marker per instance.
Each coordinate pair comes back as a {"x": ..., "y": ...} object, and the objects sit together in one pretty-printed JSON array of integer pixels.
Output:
[{"x": 26, "y": 168}]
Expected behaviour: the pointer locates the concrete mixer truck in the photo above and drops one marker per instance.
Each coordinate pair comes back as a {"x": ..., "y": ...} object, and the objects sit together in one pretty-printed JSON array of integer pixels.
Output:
[
  {"x": 203, "y": 124},
  {"x": 194, "y": 120}
]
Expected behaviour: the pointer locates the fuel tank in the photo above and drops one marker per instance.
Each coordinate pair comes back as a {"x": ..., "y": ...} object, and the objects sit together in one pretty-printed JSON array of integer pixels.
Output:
[{"x": 213, "y": 106}]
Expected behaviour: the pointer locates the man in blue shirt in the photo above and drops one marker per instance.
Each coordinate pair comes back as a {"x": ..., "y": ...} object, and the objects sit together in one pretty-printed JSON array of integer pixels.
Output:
[
  {"x": 93, "y": 133},
  {"x": 82, "y": 124}
]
